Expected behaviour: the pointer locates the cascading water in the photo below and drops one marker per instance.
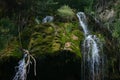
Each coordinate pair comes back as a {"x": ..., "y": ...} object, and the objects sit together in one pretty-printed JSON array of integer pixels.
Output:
[
  {"x": 92, "y": 53},
  {"x": 24, "y": 66},
  {"x": 21, "y": 74},
  {"x": 83, "y": 22}
]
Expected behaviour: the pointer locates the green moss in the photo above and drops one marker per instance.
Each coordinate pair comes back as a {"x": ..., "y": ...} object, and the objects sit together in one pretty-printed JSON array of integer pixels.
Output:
[
  {"x": 56, "y": 47},
  {"x": 49, "y": 30},
  {"x": 102, "y": 38},
  {"x": 12, "y": 50},
  {"x": 42, "y": 40},
  {"x": 70, "y": 35}
]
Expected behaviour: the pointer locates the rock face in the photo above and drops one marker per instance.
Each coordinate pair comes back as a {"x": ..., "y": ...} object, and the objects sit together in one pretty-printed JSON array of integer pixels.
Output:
[
  {"x": 107, "y": 15},
  {"x": 49, "y": 38},
  {"x": 55, "y": 44}
]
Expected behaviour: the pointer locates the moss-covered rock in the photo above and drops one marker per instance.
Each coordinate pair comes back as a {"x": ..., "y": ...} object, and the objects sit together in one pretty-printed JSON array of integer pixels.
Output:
[
  {"x": 49, "y": 38},
  {"x": 12, "y": 50},
  {"x": 46, "y": 39},
  {"x": 53, "y": 44}
]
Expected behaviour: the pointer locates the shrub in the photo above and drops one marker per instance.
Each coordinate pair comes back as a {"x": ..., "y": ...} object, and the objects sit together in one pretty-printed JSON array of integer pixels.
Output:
[{"x": 66, "y": 12}]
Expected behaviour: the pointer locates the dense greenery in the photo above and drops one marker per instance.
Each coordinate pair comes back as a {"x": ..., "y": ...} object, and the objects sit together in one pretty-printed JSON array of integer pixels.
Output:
[
  {"x": 18, "y": 29},
  {"x": 66, "y": 12},
  {"x": 7, "y": 31}
]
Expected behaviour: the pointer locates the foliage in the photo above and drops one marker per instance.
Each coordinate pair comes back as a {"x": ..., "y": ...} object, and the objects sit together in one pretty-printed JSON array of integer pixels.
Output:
[
  {"x": 79, "y": 5},
  {"x": 116, "y": 31},
  {"x": 7, "y": 31},
  {"x": 11, "y": 50},
  {"x": 66, "y": 12},
  {"x": 43, "y": 7},
  {"x": 72, "y": 36},
  {"x": 89, "y": 8}
]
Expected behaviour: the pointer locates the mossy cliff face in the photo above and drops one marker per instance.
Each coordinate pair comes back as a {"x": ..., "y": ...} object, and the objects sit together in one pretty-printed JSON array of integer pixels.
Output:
[
  {"x": 47, "y": 39},
  {"x": 52, "y": 37},
  {"x": 56, "y": 47}
]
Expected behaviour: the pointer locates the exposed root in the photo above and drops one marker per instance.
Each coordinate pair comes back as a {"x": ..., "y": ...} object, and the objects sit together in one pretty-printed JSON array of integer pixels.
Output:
[{"x": 29, "y": 57}]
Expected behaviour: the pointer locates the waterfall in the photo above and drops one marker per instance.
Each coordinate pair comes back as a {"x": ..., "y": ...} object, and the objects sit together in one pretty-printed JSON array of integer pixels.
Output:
[
  {"x": 92, "y": 53},
  {"x": 21, "y": 73},
  {"x": 83, "y": 22},
  {"x": 24, "y": 66}
]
